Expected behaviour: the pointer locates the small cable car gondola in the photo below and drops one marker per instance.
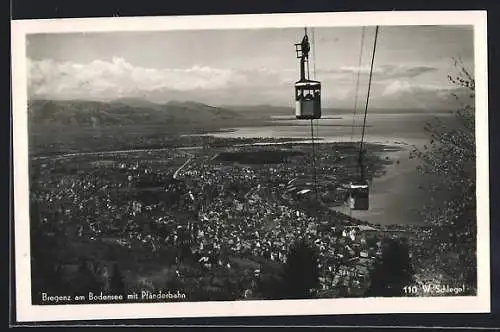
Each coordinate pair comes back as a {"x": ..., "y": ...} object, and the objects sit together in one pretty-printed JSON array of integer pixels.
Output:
[
  {"x": 308, "y": 100},
  {"x": 359, "y": 194},
  {"x": 307, "y": 92}
]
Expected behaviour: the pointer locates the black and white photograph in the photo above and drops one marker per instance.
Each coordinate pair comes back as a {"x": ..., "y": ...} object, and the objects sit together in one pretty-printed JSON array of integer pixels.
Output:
[{"x": 251, "y": 165}]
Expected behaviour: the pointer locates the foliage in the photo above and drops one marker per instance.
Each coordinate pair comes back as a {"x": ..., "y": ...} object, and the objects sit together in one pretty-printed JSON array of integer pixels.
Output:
[
  {"x": 269, "y": 286},
  {"x": 87, "y": 279},
  {"x": 392, "y": 272},
  {"x": 301, "y": 273},
  {"x": 47, "y": 243},
  {"x": 117, "y": 282},
  {"x": 450, "y": 161}
]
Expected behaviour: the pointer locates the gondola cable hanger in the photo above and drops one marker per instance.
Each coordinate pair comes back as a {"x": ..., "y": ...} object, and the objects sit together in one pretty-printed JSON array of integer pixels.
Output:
[
  {"x": 366, "y": 105},
  {"x": 356, "y": 99},
  {"x": 359, "y": 190}
]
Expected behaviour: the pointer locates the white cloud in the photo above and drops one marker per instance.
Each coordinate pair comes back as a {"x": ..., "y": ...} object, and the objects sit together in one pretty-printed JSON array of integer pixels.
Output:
[
  {"x": 117, "y": 78},
  {"x": 107, "y": 80},
  {"x": 382, "y": 72},
  {"x": 424, "y": 96},
  {"x": 50, "y": 77},
  {"x": 403, "y": 86},
  {"x": 397, "y": 87}
]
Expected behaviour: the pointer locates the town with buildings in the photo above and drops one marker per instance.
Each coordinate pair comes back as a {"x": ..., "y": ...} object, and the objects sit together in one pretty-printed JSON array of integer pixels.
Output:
[{"x": 215, "y": 220}]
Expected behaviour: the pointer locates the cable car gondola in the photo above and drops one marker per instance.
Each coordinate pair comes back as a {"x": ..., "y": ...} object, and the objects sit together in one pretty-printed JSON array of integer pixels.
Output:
[
  {"x": 359, "y": 194},
  {"x": 357, "y": 197},
  {"x": 307, "y": 91}
]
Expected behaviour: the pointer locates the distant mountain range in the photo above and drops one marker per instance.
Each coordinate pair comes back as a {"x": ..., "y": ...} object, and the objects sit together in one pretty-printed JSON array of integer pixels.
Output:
[
  {"x": 126, "y": 111},
  {"x": 134, "y": 111}
]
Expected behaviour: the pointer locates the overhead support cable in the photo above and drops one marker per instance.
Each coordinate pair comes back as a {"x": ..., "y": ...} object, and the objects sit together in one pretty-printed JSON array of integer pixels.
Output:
[
  {"x": 360, "y": 158},
  {"x": 357, "y": 82}
]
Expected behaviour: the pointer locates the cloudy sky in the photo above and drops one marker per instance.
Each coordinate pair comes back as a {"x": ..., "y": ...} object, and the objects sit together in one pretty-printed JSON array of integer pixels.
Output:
[{"x": 249, "y": 67}]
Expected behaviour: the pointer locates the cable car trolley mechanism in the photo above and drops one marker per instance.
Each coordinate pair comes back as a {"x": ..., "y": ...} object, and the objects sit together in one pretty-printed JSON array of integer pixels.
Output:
[{"x": 307, "y": 91}]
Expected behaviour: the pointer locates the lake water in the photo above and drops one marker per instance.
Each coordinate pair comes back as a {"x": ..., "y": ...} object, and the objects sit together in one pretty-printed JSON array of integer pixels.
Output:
[{"x": 395, "y": 198}]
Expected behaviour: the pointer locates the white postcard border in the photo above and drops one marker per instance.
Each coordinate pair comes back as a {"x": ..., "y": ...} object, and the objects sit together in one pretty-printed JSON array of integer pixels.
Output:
[{"x": 27, "y": 312}]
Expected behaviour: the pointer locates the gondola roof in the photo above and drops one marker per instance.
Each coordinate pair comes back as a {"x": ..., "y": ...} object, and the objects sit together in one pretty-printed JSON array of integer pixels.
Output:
[{"x": 307, "y": 83}]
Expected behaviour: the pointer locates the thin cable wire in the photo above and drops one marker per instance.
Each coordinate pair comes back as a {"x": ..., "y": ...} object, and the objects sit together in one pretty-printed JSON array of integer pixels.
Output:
[
  {"x": 314, "y": 161},
  {"x": 357, "y": 82},
  {"x": 314, "y": 67},
  {"x": 366, "y": 105},
  {"x": 314, "y": 53},
  {"x": 312, "y": 120}
]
